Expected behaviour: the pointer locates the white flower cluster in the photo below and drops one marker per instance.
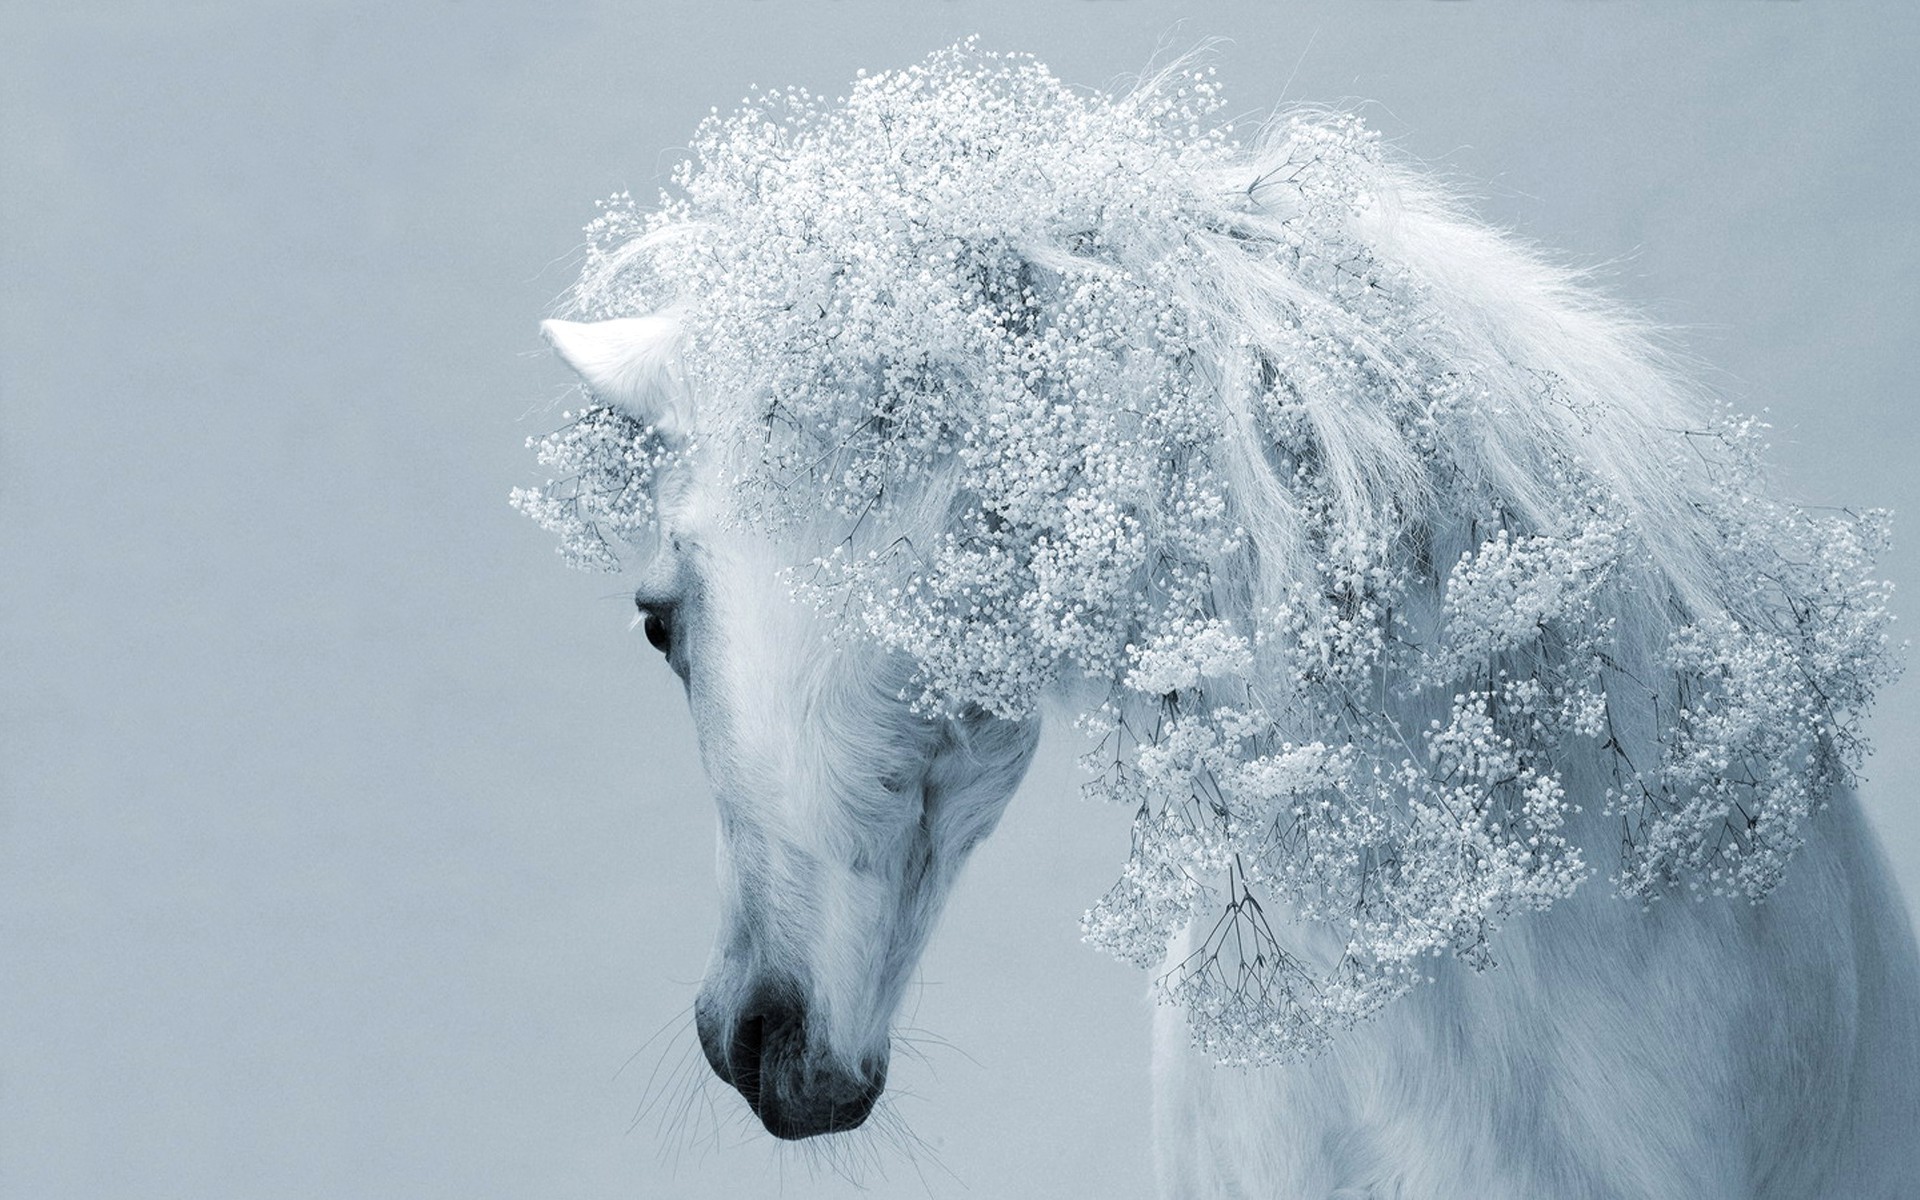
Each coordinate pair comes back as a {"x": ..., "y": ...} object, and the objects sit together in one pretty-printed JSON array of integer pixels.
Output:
[
  {"x": 604, "y": 495},
  {"x": 1073, "y": 387},
  {"x": 1764, "y": 699}
]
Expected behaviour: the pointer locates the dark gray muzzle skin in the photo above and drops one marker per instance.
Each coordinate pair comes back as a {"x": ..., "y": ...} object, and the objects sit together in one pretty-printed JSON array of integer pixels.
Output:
[{"x": 764, "y": 1055}]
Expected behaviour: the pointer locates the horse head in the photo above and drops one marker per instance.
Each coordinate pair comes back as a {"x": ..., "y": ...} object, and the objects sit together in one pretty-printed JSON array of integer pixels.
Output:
[{"x": 844, "y": 813}]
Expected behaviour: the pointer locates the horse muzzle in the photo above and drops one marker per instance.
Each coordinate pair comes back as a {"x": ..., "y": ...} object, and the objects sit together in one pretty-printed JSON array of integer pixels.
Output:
[{"x": 764, "y": 1053}]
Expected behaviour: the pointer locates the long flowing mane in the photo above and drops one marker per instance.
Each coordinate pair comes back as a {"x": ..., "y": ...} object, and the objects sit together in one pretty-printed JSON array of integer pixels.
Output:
[{"x": 1375, "y": 553}]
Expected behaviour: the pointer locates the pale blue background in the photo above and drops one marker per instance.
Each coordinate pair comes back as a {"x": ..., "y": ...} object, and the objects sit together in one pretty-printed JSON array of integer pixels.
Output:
[{"x": 351, "y": 845}]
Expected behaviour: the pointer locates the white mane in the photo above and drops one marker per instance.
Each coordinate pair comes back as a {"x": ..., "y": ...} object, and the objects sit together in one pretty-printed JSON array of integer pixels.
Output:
[{"x": 1353, "y": 531}]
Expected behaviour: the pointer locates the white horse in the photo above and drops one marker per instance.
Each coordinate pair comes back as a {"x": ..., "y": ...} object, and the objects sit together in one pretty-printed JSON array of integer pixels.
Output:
[{"x": 1699, "y": 1046}]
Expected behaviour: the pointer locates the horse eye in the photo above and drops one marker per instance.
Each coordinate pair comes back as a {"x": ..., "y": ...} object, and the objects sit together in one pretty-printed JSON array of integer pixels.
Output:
[{"x": 659, "y": 635}]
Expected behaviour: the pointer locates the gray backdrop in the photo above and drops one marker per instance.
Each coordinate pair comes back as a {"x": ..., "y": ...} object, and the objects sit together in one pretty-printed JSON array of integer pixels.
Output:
[{"x": 352, "y": 845}]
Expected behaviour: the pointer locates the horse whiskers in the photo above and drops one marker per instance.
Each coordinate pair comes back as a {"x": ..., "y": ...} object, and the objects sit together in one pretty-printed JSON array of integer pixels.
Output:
[
  {"x": 654, "y": 1099},
  {"x": 674, "y": 1097},
  {"x": 858, "y": 1157},
  {"x": 913, "y": 1051},
  {"x": 650, "y": 1097},
  {"x": 694, "y": 1110},
  {"x": 891, "y": 1126},
  {"x": 912, "y": 1040},
  {"x": 849, "y": 1156},
  {"x": 693, "y": 1121},
  {"x": 678, "y": 1021}
]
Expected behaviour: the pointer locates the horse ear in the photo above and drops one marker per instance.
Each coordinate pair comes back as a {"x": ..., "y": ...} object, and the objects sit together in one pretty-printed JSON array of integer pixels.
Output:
[{"x": 631, "y": 363}]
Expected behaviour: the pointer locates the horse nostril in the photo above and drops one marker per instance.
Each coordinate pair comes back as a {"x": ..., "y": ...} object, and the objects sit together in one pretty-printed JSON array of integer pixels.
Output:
[
  {"x": 770, "y": 1024},
  {"x": 743, "y": 1057}
]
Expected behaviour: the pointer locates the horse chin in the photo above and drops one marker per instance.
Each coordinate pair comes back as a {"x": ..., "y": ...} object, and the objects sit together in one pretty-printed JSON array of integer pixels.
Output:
[{"x": 805, "y": 1103}]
